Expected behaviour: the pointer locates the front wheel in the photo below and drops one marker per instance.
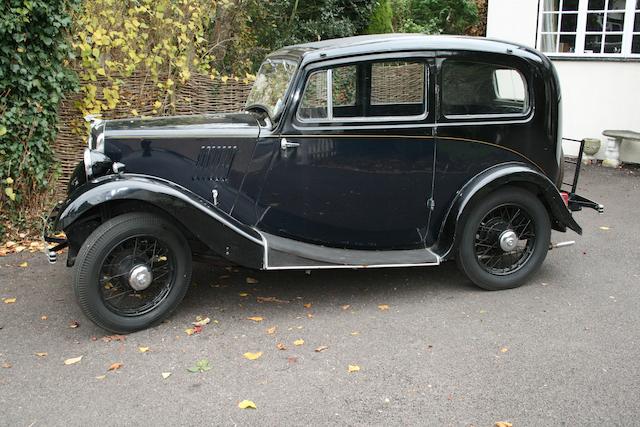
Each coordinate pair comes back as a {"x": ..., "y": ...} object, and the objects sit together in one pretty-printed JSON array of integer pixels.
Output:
[
  {"x": 132, "y": 272},
  {"x": 505, "y": 238}
]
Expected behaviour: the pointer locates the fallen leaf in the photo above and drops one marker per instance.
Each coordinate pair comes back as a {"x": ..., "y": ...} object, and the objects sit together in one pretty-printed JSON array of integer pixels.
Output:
[
  {"x": 166, "y": 375},
  {"x": 20, "y": 248},
  {"x": 73, "y": 360},
  {"x": 74, "y": 324},
  {"x": 143, "y": 349},
  {"x": 42, "y": 354},
  {"x": 345, "y": 307},
  {"x": 252, "y": 356},
  {"x": 115, "y": 366},
  {"x": 271, "y": 299},
  {"x": 101, "y": 377},
  {"x": 24, "y": 264},
  {"x": 310, "y": 316},
  {"x": 354, "y": 333},
  {"x": 504, "y": 350},
  {"x": 383, "y": 307},
  {"x": 9, "y": 300},
  {"x": 321, "y": 348},
  {"x": 247, "y": 404},
  {"x": 44, "y": 317},
  {"x": 292, "y": 359},
  {"x": 10, "y": 244},
  {"x": 354, "y": 368},
  {"x": 6, "y": 365},
  {"x": 281, "y": 346},
  {"x": 110, "y": 338},
  {"x": 251, "y": 280},
  {"x": 243, "y": 294},
  {"x": 202, "y": 365},
  {"x": 271, "y": 330},
  {"x": 201, "y": 322},
  {"x": 298, "y": 342},
  {"x": 605, "y": 228},
  {"x": 503, "y": 424},
  {"x": 189, "y": 331},
  {"x": 255, "y": 318},
  {"x": 307, "y": 305}
]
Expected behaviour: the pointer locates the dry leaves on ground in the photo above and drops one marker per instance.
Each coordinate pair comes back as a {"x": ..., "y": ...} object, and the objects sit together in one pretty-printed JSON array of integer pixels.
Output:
[
  {"x": 110, "y": 338},
  {"x": 298, "y": 342},
  {"x": 353, "y": 368},
  {"x": 252, "y": 356},
  {"x": 247, "y": 404},
  {"x": 74, "y": 324},
  {"x": 503, "y": 424},
  {"x": 9, "y": 300},
  {"x": 321, "y": 348},
  {"x": 251, "y": 280},
  {"x": 194, "y": 330},
  {"x": 143, "y": 349},
  {"x": 42, "y": 354},
  {"x": 271, "y": 299},
  {"x": 73, "y": 360},
  {"x": 307, "y": 305},
  {"x": 24, "y": 264},
  {"x": 201, "y": 321},
  {"x": 255, "y": 318},
  {"x": 383, "y": 307},
  {"x": 504, "y": 350},
  {"x": 166, "y": 375},
  {"x": 281, "y": 346},
  {"x": 345, "y": 307},
  {"x": 115, "y": 366},
  {"x": 271, "y": 330}
]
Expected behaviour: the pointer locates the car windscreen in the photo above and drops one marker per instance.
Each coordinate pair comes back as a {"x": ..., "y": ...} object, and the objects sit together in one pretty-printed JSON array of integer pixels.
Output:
[{"x": 270, "y": 87}]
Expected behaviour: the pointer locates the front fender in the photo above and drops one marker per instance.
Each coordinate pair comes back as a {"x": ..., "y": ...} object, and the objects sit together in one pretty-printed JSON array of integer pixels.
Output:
[
  {"x": 491, "y": 179},
  {"x": 220, "y": 232}
]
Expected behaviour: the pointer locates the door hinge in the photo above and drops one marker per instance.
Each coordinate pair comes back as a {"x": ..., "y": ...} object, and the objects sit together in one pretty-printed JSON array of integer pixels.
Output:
[{"x": 431, "y": 204}]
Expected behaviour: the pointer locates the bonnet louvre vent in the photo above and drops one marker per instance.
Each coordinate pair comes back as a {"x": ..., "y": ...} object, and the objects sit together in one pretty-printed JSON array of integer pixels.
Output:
[{"x": 214, "y": 162}]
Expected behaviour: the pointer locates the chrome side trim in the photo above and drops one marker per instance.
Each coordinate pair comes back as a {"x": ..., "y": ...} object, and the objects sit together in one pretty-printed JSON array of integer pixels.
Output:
[
  {"x": 188, "y": 132},
  {"x": 354, "y": 267}
]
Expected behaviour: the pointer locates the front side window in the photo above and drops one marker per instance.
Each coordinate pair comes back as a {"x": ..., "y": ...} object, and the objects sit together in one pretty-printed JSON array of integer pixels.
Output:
[
  {"x": 482, "y": 89},
  {"x": 590, "y": 27},
  {"x": 383, "y": 89},
  {"x": 270, "y": 87}
]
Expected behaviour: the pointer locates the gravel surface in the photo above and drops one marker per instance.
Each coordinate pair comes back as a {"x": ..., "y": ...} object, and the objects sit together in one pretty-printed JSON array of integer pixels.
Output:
[{"x": 561, "y": 350}]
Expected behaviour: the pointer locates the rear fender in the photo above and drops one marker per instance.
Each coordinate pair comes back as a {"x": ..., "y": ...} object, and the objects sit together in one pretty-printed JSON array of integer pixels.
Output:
[
  {"x": 221, "y": 233},
  {"x": 518, "y": 174}
]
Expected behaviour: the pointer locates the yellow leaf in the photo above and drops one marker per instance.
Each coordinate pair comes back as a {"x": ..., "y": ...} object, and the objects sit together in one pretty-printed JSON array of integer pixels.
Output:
[
  {"x": 503, "y": 424},
  {"x": 134, "y": 112},
  {"x": 24, "y": 264},
  {"x": 157, "y": 104},
  {"x": 307, "y": 305},
  {"x": 100, "y": 71},
  {"x": 143, "y": 349},
  {"x": 20, "y": 248},
  {"x": 605, "y": 228},
  {"x": 354, "y": 333},
  {"x": 73, "y": 360},
  {"x": 243, "y": 294},
  {"x": 345, "y": 307},
  {"x": 10, "y": 194},
  {"x": 255, "y": 318},
  {"x": 298, "y": 342},
  {"x": 42, "y": 354},
  {"x": 166, "y": 375},
  {"x": 224, "y": 79},
  {"x": 202, "y": 322},
  {"x": 321, "y": 348},
  {"x": 9, "y": 300},
  {"x": 271, "y": 330},
  {"x": 9, "y": 180},
  {"x": 189, "y": 331},
  {"x": 354, "y": 368},
  {"x": 101, "y": 377},
  {"x": 281, "y": 346},
  {"x": 251, "y": 280},
  {"x": 383, "y": 307},
  {"x": 252, "y": 356},
  {"x": 245, "y": 404},
  {"x": 504, "y": 350},
  {"x": 115, "y": 366}
]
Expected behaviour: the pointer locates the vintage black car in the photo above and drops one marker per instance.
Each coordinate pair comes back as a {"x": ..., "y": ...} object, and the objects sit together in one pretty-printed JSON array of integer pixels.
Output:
[{"x": 364, "y": 152}]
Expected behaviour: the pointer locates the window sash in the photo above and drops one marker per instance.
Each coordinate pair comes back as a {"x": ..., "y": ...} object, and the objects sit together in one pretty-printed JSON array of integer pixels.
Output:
[{"x": 551, "y": 35}]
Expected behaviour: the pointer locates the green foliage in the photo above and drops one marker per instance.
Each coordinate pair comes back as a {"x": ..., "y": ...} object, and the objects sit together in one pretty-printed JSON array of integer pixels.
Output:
[
  {"x": 381, "y": 18},
  {"x": 257, "y": 27},
  {"x": 33, "y": 80},
  {"x": 434, "y": 16}
]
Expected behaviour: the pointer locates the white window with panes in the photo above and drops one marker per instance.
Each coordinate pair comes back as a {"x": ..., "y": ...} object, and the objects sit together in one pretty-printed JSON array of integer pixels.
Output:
[{"x": 595, "y": 28}]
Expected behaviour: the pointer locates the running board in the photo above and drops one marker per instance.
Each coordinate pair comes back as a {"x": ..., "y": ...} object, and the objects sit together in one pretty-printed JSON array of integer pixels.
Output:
[{"x": 287, "y": 254}]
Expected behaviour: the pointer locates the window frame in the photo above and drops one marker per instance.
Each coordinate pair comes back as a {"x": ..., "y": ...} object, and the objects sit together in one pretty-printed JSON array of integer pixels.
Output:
[
  {"x": 581, "y": 33},
  {"x": 515, "y": 117},
  {"x": 328, "y": 67}
]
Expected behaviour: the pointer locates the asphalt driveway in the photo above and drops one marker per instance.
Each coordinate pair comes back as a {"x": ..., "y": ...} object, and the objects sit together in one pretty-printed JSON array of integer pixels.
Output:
[{"x": 432, "y": 349}]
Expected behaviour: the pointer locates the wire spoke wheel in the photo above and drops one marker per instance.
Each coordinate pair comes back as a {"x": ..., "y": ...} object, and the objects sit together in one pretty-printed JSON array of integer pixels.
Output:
[
  {"x": 505, "y": 239},
  {"x": 136, "y": 275}
]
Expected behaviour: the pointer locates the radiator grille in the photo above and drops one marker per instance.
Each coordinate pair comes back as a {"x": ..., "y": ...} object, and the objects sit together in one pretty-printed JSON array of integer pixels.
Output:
[{"x": 214, "y": 162}]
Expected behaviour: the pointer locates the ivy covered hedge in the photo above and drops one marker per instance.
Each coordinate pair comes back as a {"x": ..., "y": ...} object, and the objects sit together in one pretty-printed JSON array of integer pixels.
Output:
[{"x": 34, "y": 52}]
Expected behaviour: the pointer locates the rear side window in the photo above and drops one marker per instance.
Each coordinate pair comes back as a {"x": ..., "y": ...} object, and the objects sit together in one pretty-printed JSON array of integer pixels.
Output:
[
  {"x": 481, "y": 89},
  {"x": 370, "y": 90}
]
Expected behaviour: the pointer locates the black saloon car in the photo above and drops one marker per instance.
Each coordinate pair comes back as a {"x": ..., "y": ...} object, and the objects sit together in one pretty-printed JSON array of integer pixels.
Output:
[{"x": 365, "y": 152}]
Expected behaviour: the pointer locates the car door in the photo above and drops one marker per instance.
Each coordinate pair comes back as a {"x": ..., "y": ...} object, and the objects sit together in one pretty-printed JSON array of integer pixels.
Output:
[{"x": 355, "y": 164}]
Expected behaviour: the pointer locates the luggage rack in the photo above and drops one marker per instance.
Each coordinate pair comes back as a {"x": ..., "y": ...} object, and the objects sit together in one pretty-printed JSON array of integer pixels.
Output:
[{"x": 576, "y": 202}]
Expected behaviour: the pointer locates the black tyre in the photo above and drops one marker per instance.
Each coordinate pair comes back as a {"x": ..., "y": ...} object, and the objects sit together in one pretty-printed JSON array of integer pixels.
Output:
[
  {"x": 132, "y": 272},
  {"x": 505, "y": 238}
]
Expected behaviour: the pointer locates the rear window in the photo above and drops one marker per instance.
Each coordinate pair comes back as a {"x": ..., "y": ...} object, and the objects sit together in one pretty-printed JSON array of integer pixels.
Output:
[{"x": 481, "y": 89}]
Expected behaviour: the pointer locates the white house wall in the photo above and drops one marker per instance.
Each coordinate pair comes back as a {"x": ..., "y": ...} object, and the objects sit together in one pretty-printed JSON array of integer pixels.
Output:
[{"x": 597, "y": 95}]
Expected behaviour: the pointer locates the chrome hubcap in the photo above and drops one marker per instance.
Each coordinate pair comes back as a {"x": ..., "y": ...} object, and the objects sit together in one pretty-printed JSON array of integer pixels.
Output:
[
  {"x": 508, "y": 240},
  {"x": 140, "y": 277}
]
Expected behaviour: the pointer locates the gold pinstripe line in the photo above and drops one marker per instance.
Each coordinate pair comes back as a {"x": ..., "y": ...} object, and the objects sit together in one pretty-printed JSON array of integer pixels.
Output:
[{"x": 450, "y": 138}]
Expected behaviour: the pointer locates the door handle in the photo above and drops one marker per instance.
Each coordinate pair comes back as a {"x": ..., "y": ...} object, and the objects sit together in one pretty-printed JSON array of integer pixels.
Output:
[{"x": 284, "y": 144}]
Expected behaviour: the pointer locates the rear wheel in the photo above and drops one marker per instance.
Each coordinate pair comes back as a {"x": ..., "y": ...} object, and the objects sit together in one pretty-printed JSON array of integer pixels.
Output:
[
  {"x": 132, "y": 272},
  {"x": 505, "y": 239}
]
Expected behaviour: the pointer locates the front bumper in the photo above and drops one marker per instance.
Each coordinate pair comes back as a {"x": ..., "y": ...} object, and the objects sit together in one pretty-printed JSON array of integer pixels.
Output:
[{"x": 52, "y": 235}]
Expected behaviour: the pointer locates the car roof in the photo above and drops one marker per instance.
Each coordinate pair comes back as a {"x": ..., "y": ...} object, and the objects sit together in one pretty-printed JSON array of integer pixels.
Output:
[{"x": 396, "y": 42}]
